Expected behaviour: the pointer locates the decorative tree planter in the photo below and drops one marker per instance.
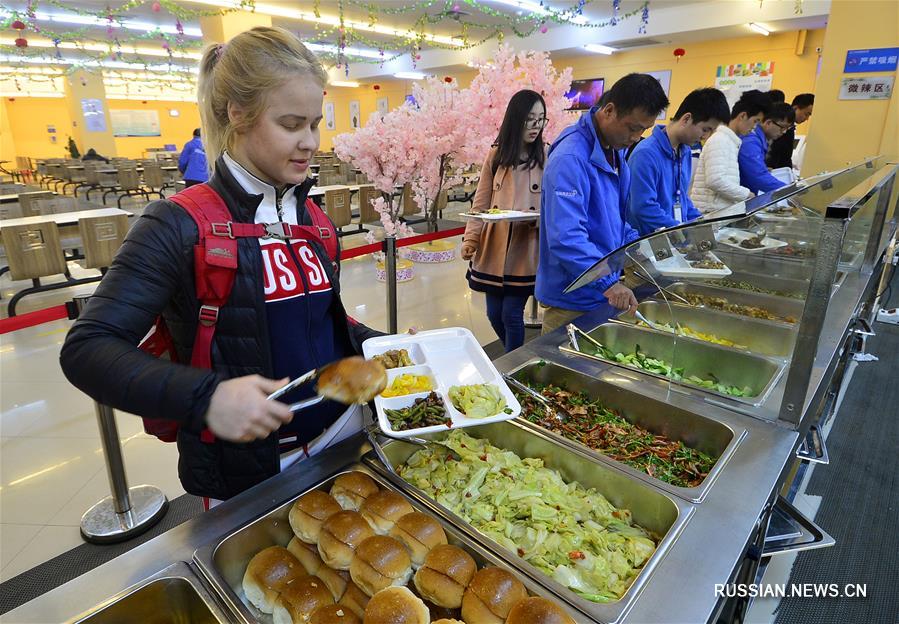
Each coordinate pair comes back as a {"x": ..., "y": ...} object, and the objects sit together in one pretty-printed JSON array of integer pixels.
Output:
[
  {"x": 432, "y": 251},
  {"x": 405, "y": 271}
]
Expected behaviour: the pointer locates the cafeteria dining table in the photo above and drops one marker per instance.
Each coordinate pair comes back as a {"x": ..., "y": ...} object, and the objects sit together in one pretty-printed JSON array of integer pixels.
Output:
[{"x": 64, "y": 218}]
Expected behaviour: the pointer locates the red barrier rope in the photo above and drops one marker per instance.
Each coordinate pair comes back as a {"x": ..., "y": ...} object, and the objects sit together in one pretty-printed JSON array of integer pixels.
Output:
[
  {"x": 56, "y": 313},
  {"x": 355, "y": 252},
  {"x": 29, "y": 319}
]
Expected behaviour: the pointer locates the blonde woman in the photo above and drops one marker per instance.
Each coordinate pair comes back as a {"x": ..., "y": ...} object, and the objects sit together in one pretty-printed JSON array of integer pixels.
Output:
[
  {"x": 503, "y": 254},
  {"x": 260, "y": 106}
]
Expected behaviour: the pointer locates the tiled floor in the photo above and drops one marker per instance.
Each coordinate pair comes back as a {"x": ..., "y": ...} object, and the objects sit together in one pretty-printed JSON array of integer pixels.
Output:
[{"x": 51, "y": 464}]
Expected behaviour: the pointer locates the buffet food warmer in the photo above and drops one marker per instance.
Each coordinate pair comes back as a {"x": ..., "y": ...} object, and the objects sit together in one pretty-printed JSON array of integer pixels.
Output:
[{"x": 676, "y": 428}]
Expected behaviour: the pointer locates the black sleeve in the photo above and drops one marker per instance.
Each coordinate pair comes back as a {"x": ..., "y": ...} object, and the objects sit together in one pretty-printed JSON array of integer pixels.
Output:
[
  {"x": 100, "y": 354},
  {"x": 780, "y": 154}
]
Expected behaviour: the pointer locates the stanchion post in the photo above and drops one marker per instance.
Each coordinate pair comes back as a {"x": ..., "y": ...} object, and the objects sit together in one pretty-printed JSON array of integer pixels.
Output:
[
  {"x": 390, "y": 267},
  {"x": 128, "y": 511},
  {"x": 532, "y": 317}
]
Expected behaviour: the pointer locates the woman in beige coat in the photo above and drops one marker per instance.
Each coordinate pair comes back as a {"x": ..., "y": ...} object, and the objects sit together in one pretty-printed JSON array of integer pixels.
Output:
[{"x": 503, "y": 254}]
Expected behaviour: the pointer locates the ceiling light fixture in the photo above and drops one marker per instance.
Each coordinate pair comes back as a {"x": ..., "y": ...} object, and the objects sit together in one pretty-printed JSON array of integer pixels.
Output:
[
  {"x": 410, "y": 75},
  {"x": 331, "y": 20},
  {"x": 333, "y": 49},
  {"x": 343, "y": 83},
  {"x": 89, "y": 20},
  {"x": 599, "y": 49},
  {"x": 534, "y": 7},
  {"x": 759, "y": 29}
]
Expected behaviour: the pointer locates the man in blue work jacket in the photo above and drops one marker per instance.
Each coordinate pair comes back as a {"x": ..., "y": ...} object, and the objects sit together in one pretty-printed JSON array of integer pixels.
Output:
[
  {"x": 584, "y": 200},
  {"x": 192, "y": 162},
  {"x": 661, "y": 165},
  {"x": 754, "y": 173}
]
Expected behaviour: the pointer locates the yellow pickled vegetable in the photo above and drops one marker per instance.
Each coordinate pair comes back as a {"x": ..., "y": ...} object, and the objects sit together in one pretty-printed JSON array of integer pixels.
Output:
[
  {"x": 683, "y": 330},
  {"x": 408, "y": 384}
]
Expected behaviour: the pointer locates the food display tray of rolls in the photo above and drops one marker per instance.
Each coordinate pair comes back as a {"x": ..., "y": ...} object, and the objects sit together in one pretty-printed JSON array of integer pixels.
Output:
[
  {"x": 356, "y": 549},
  {"x": 438, "y": 380},
  {"x": 585, "y": 530}
]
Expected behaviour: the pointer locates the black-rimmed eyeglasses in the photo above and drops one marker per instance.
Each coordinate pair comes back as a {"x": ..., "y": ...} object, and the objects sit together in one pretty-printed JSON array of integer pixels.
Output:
[{"x": 534, "y": 124}]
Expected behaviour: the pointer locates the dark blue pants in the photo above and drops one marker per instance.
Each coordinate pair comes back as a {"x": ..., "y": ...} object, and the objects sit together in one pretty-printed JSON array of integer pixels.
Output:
[{"x": 506, "y": 315}]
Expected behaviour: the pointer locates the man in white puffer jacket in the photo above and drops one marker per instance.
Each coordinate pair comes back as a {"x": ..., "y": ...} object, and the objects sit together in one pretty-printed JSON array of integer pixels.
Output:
[{"x": 717, "y": 181}]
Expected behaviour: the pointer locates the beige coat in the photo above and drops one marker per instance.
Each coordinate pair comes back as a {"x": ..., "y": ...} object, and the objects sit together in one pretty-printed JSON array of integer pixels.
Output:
[{"x": 506, "y": 258}]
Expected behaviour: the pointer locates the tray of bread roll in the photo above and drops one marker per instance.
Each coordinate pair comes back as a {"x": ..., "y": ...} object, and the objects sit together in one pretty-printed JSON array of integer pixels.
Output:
[{"x": 356, "y": 550}]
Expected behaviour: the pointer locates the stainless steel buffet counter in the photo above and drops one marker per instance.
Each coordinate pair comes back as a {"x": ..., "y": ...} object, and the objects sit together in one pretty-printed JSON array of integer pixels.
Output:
[{"x": 712, "y": 528}]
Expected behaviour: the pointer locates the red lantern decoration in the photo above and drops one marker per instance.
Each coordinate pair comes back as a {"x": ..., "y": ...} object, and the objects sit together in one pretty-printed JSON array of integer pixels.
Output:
[
  {"x": 679, "y": 52},
  {"x": 156, "y": 7},
  {"x": 21, "y": 42},
  {"x": 447, "y": 79},
  {"x": 324, "y": 93},
  {"x": 18, "y": 25},
  {"x": 376, "y": 87}
]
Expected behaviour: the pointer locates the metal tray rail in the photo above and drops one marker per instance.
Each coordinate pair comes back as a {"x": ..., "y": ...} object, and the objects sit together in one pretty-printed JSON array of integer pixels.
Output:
[
  {"x": 718, "y": 438},
  {"x": 651, "y": 508},
  {"x": 223, "y": 563}
]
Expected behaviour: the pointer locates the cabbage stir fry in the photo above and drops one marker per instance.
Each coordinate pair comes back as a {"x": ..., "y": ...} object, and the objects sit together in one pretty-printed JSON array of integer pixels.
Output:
[{"x": 570, "y": 533}]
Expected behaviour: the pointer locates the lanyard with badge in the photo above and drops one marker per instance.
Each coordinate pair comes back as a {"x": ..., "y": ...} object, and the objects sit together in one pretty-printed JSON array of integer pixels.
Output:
[{"x": 678, "y": 211}]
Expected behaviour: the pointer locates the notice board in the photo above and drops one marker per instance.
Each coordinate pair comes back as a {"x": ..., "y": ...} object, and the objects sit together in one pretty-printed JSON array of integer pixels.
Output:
[{"x": 135, "y": 123}]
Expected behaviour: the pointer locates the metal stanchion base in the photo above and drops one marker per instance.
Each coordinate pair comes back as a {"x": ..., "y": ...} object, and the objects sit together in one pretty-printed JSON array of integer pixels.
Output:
[
  {"x": 102, "y": 525},
  {"x": 533, "y": 314}
]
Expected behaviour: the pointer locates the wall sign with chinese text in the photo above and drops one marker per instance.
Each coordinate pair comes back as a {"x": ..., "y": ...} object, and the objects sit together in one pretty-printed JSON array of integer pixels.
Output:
[
  {"x": 866, "y": 88},
  {"x": 876, "y": 60}
]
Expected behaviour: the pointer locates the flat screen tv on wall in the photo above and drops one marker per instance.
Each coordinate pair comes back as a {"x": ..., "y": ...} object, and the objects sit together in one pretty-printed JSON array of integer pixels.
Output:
[{"x": 585, "y": 93}]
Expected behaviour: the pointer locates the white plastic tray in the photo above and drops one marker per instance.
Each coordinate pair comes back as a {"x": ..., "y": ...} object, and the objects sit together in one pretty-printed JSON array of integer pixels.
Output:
[
  {"x": 450, "y": 357},
  {"x": 725, "y": 234},
  {"x": 678, "y": 266},
  {"x": 506, "y": 215}
]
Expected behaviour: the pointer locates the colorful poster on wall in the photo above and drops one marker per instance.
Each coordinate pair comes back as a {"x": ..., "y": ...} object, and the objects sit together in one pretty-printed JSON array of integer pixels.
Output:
[
  {"x": 664, "y": 78},
  {"x": 94, "y": 117},
  {"x": 355, "y": 122},
  {"x": 736, "y": 79},
  {"x": 866, "y": 88},
  {"x": 383, "y": 106},
  {"x": 329, "y": 116},
  {"x": 135, "y": 123},
  {"x": 876, "y": 60}
]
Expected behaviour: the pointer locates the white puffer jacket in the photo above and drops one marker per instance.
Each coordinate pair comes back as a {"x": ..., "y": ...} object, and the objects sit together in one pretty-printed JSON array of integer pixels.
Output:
[{"x": 717, "y": 180}]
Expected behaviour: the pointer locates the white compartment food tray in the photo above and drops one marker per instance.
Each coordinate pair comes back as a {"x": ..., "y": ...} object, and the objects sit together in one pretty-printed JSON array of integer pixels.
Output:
[
  {"x": 678, "y": 266},
  {"x": 450, "y": 357},
  {"x": 506, "y": 215},
  {"x": 724, "y": 234}
]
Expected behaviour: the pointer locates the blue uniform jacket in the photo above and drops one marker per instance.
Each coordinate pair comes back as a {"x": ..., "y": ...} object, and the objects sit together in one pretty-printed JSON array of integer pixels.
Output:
[
  {"x": 754, "y": 174},
  {"x": 582, "y": 218},
  {"x": 657, "y": 180},
  {"x": 197, "y": 168}
]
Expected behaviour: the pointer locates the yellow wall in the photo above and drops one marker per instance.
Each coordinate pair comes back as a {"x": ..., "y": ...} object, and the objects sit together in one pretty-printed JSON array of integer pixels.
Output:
[
  {"x": 7, "y": 145},
  {"x": 30, "y": 137},
  {"x": 29, "y": 118},
  {"x": 792, "y": 73},
  {"x": 177, "y": 130},
  {"x": 849, "y": 130}
]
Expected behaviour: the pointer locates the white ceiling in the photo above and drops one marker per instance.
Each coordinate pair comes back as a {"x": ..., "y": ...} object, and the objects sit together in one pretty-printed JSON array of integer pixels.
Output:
[{"x": 670, "y": 21}]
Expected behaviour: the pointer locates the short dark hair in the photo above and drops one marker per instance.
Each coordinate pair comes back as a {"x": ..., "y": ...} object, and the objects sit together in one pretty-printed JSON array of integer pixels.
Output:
[
  {"x": 781, "y": 112},
  {"x": 803, "y": 100},
  {"x": 197, "y": 132},
  {"x": 704, "y": 104},
  {"x": 752, "y": 103},
  {"x": 776, "y": 96},
  {"x": 636, "y": 91}
]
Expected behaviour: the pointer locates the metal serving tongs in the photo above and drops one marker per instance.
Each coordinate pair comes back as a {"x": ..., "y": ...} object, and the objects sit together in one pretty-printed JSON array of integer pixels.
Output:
[
  {"x": 575, "y": 333},
  {"x": 373, "y": 431},
  {"x": 554, "y": 411},
  {"x": 660, "y": 287},
  {"x": 296, "y": 383}
]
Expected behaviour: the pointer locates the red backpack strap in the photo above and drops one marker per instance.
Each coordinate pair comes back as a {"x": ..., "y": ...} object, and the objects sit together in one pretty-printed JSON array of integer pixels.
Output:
[
  {"x": 215, "y": 262},
  {"x": 327, "y": 232}
]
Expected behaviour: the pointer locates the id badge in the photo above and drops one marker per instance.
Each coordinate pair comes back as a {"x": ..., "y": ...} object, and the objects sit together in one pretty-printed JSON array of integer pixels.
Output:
[{"x": 678, "y": 213}]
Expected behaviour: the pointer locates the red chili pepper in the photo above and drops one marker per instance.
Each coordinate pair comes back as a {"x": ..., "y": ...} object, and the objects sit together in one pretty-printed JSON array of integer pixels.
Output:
[
  {"x": 576, "y": 554},
  {"x": 521, "y": 552}
]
